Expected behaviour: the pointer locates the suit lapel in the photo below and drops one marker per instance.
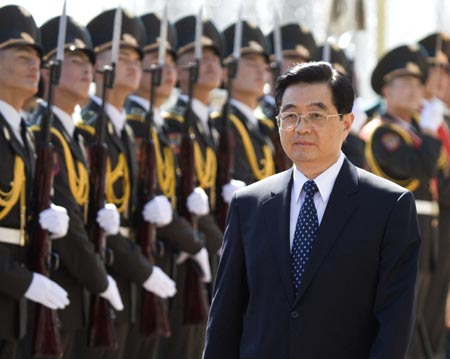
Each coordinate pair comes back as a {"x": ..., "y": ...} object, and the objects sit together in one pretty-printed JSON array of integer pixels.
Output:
[
  {"x": 277, "y": 209},
  {"x": 75, "y": 148},
  {"x": 341, "y": 206}
]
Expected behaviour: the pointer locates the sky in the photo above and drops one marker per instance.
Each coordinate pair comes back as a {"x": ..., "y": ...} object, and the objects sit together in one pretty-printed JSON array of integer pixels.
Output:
[{"x": 405, "y": 21}]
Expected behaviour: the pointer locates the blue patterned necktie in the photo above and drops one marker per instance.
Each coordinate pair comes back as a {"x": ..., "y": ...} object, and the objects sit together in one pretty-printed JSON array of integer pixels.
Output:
[{"x": 305, "y": 234}]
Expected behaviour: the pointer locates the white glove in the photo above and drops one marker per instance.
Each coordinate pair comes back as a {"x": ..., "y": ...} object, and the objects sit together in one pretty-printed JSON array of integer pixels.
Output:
[
  {"x": 160, "y": 284},
  {"x": 202, "y": 258},
  {"x": 109, "y": 219},
  {"x": 197, "y": 202},
  {"x": 46, "y": 292},
  {"x": 360, "y": 116},
  {"x": 112, "y": 295},
  {"x": 55, "y": 220},
  {"x": 158, "y": 211},
  {"x": 432, "y": 115},
  {"x": 229, "y": 189}
]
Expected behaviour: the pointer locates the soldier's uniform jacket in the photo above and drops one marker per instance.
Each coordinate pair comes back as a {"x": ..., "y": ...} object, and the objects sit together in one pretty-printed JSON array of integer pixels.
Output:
[
  {"x": 177, "y": 235},
  {"x": 80, "y": 267},
  {"x": 129, "y": 267},
  {"x": 205, "y": 159},
  {"x": 253, "y": 150},
  {"x": 16, "y": 180},
  {"x": 405, "y": 155}
]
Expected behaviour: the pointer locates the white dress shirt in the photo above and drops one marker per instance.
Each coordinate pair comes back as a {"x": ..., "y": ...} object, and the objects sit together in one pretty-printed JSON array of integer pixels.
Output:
[
  {"x": 201, "y": 111},
  {"x": 65, "y": 119},
  {"x": 13, "y": 118},
  {"x": 325, "y": 183},
  {"x": 247, "y": 111},
  {"x": 117, "y": 117}
]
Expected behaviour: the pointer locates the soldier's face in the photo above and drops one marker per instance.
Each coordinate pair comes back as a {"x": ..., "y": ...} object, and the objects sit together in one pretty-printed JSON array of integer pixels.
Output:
[
  {"x": 210, "y": 71},
  {"x": 19, "y": 70},
  {"x": 128, "y": 70},
  {"x": 313, "y": 147},
  {"x": 404, "y": 93},
  {"x": 438, "y": 82},
  {"x": 169, "y": 75},
  {"x": 76, "y": 75},
  {"x": 251, "y": 75}
]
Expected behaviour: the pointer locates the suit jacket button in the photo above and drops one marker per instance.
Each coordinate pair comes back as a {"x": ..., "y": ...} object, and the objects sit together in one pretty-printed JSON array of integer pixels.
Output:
[{"x": 294, "y": 314}]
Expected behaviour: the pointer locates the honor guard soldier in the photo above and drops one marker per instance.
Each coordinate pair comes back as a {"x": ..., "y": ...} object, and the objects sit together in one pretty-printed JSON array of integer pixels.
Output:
[
  {"x": 80, "y": 267},
  {"x": 20, "y": 58},
  {"x": 404, "y": 148},
  {"x": 353, "y": 146},
  {"x": 174, "y": 233},
  {"x": 252, "y": 147},
  {"x": 188, "y": 339},
  {"x": 297, "y": 46},
  {"x": 130, "y": 268},
  {"x": 436, "y": 89}
]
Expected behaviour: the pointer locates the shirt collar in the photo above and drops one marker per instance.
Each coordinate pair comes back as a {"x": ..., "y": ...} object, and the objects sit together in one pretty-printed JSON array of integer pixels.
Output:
[
  {"x": 145, "y": 104},
  {"x": 65, "y": 119},
  {"x": 200, "y": 109},
  {"x": 117, "y": 117},
  {"x": 246, "y": 111},
  {"x": 11, "y": 116},
  {"x": 324, "y": 181}
]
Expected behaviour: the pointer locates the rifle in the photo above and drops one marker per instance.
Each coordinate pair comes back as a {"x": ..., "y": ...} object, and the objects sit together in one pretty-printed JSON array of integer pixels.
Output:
[
  {"x": 46, "y": 336},
  {"x": 282, "y": 162},
  {"x": 154, "y": 317},
  {"x": 100, "y": 330},
  {"x": 195, "y": 305},
  {"x": 225, "y": 151}
]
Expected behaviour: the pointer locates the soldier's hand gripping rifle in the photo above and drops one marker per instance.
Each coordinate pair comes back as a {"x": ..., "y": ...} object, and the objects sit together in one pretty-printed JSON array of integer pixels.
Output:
[
  {"x": 101, "y": 331},
  {"x": 154, "y": 317},
  {"x": 46, "y": 335}
]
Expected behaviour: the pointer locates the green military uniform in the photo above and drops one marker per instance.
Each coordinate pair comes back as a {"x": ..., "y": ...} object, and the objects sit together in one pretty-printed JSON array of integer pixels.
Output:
[
  {"x": 17, "y": 165},
  {"x": 80, "y": 267},
  {"x": 188, "y": 339},
  {"x": 178, "y": 235},
  {"x": 253, "y": 150},
  {"x": 401, "y": 152}
]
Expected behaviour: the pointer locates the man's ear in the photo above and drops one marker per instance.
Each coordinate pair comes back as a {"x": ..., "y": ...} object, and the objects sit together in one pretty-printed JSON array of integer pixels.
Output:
[{"x": 348, "y": 120}]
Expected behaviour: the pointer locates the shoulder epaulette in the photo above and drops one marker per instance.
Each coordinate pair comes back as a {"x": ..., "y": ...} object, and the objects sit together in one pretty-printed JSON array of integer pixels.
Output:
[
  {"x": 88, "y": 116},
  {"x": 87, "y": 128},
  {"x": 215, "y": 115},
  {"x": 167, "y": 116},
  {"x": 135, "y": 117}
]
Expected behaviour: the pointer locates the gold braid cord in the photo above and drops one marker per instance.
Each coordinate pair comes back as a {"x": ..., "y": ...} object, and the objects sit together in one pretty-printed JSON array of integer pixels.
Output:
[
  {"x": 268, "y": 164},
  {"x": 79, "y": 178},
  {"x": 112, "y": 176},
  {"x": 411, "y": 183},
  {"x": 9, "y": 199},
  {"x": 165, "y": 169},
  {"x": 206, "y": 169}
]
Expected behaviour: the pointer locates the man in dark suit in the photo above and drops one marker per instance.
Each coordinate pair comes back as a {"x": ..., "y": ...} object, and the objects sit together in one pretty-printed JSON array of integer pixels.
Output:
[{"x": 343, "y": 285}]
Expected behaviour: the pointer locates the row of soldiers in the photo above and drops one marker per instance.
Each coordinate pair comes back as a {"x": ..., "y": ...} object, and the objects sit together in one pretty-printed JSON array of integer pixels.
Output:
[{"x": 406, "y": 143}]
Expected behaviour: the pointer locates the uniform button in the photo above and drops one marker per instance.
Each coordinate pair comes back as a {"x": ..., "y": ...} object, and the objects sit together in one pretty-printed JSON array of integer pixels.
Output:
[{"x": 294, "y": 314}]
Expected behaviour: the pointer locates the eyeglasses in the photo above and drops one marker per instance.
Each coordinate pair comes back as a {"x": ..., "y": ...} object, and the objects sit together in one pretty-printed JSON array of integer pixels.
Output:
[{"x": 287, "y": 121}]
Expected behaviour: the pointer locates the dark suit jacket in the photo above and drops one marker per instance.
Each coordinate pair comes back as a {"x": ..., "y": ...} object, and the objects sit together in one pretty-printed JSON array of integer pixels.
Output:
[{"x": 358, "y": 291}]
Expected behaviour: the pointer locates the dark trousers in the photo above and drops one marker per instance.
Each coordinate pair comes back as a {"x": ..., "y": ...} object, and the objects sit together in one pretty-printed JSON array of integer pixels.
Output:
[{"x": 8, "y": 349}]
